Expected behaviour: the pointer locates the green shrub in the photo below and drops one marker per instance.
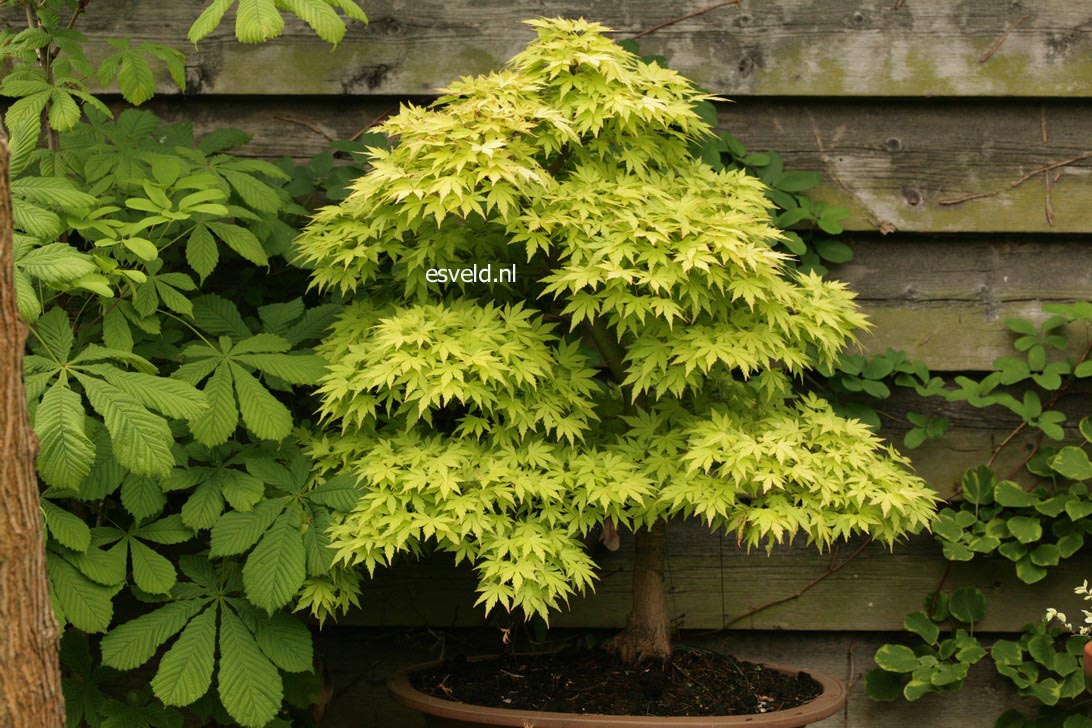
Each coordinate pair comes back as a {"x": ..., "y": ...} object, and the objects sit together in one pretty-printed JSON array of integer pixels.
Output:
[{"x": 640, "y": 367}]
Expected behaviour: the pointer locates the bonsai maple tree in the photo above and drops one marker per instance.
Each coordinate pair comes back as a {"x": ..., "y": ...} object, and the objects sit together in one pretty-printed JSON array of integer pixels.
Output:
[{"x": 641, "y": 367}]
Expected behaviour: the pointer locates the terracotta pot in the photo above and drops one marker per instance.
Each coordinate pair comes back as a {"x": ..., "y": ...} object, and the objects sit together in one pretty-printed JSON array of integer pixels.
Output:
[{"x": 440, "y": 713}]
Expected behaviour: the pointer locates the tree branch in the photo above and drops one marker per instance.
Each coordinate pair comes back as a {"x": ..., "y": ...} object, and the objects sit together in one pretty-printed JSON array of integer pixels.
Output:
[{"x": 831, "y": 570}]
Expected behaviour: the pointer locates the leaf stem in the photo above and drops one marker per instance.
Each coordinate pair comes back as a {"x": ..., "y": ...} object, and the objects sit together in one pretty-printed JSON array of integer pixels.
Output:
[{"x": 185, "y": 323}]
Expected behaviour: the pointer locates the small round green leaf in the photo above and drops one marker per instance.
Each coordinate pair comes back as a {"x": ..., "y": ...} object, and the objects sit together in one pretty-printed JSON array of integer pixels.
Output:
[{"x": 896, "y": 658}]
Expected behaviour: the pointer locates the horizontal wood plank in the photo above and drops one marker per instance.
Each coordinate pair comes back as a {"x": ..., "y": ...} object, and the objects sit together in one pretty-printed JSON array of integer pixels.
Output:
[
  {"x": 712, "y": 582},
  {"x": 358, "y": 661},
  {"x": 893, "y": 165},
  {"x": 795, "y": 47},
  {"x": 946, "y": 301}
]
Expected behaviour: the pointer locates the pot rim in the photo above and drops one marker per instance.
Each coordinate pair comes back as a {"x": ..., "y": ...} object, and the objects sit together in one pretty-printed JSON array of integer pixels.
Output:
[{"x": 826, "y": 704}]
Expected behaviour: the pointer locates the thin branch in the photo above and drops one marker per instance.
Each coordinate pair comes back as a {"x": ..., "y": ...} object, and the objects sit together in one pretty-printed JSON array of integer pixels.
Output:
[
  {"x": 681, "y": 18},
  {"x": 308, "y": 125},
  {"x": 989, "y": 54},
  {"x": 80, "y": 7},
  {"x": 1018, "y": 181},
  {"x": 1049, "y": 184},
  {"x": 966, "y": 198},
  {"x": 374, "y": 122},
  {"x": 1027, "y": 459},
  {"x": 1048, "y": 167},
  {"x": 997, "y": 450},
  {"x": 829, "y": 572},
  {"x": 936, "y": 592}
]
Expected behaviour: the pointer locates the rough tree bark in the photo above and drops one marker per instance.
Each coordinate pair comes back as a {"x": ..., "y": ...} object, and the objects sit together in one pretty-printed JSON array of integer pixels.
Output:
[
  {"x": 30, "y": 679},
  {"x": 647, "y": 634}
]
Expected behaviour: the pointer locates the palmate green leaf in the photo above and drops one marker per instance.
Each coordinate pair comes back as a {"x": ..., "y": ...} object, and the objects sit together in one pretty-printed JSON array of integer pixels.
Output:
[
  {"x": 185, "y": 672},
  {"x": 130, "y": 645},
  {"x": 54, "y": 329},
  {"x": 321, "y": 17},
  {"x": 37, "y": 221},
  {"x": 278, "y": 317},
  {"x": 218, "y": 140},
  {"x": 285, "y": 640},
  {"x": 241, "y": 240},
  {"x": 208, "y": 20},
  {"x": 292, "y": 368},
  {"x": 316, "y": 542},
  {"x": 64, "y": 112},
  {"x": 96, "y": 353},
  {"x": 55, "y": 192},
  {"x": 69, "y": 530},
  {"x": 152, "y": 572},
  {"x": 219, "y": 316},
  {"x": 83, "y": 603},
  {"x": 263, "y": 414},
  {"x": 351, "y": 9},
  {"x": 56, "y": 263},
  {"x": 106, "y": 567},
  {"x": 241, "y": 490},
  {"x": 168, "y": 530},
  {"x": 339, "y": 493},
  {"x": 26, "y": 299},
  {"x": 248, "y": 684},
  {"x": 220, "y": 420},
  {"x": 141, "y": 440},
  {"x": 264, "y": 343},
  {"x": 172, "y": 59},
  {"x": 65, "y": 452},
  {"x": 257, "y": 21},
  {"x": 142, "y": 496},
  {"x": 254, "y": 192},
  {"x": 170, "y": 397},
  {"x": 106, "y": 472},
  {"x": 276, "y": 568},
  {"x": 203, "y": 506},
  {"x": 116, "y": 714},
  {"x": 201, "y": 251},
  {"x": 236, "y": 532},
  {"x": 135, "y": 79},
  {"x": 313, "y": 324},
  {"x": 24, "y": 133}
]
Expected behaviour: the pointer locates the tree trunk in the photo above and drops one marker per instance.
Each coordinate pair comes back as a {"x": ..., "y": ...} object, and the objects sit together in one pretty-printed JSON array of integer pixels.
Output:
[
  {"x": 647, "y": 634},
  {"x": 30, "y": 678}
]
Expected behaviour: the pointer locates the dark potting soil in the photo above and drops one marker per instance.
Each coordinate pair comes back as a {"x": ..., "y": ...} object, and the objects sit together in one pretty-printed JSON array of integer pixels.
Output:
[{"x": 694, "y": 683}]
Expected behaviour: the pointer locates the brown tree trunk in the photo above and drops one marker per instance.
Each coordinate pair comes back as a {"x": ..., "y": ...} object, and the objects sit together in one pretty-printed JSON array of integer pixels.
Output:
[
  {"x": 647, "y": 634},
  {"x": 30, "y": 678}
]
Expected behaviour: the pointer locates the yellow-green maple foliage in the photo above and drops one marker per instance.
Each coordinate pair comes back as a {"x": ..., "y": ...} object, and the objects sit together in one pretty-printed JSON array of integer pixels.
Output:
[{"x": 473, "y": 417}]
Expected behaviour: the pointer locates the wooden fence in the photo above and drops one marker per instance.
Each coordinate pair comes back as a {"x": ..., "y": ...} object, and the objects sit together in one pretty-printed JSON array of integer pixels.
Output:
[{"x": 906, "y": 107}]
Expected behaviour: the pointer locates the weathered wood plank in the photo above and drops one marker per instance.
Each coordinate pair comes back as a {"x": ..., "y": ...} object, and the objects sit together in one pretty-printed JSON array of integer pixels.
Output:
[
  {"x": 890, "y": 163},
  {"x": 796, "y": 47},
  {"x": 712, "y": 582},
  {"x": 946, "y": 301},
  {"x": 897, "y": 165},
  {"x": 357, "y": 662}
]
